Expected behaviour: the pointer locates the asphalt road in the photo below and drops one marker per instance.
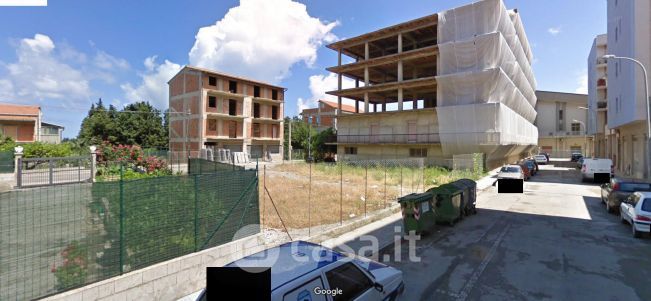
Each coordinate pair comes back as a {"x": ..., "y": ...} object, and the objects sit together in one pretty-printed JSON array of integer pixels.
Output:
[{"x": 553, "y": 242}]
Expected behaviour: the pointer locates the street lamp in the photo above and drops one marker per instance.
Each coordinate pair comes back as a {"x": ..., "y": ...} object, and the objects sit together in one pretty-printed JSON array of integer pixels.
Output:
[
  {"x": 648, "y": 109},
  {"x": 585, "y": 135}
]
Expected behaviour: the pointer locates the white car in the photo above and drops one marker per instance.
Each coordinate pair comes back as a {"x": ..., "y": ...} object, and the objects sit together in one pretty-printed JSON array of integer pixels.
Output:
[
  {"x": 541, "y": 159},
  {"x": 636, "y": 210},
  {"x": 592, "y": 167},
  {"x": 305, "y": 271},
  {"x": 511, "y": 172}
]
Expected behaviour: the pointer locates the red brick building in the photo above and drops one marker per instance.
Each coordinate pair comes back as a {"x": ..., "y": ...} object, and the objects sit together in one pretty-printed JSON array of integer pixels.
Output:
[{"x": 325, "y": 115}]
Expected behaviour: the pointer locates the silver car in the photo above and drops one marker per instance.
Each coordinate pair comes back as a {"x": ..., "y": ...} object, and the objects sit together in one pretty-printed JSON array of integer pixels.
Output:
[{"x": 511, "y": 172}]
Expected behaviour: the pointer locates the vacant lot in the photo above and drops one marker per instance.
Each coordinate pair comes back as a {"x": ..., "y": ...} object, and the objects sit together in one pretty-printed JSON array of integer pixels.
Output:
[{"x": 308, "y": 195}]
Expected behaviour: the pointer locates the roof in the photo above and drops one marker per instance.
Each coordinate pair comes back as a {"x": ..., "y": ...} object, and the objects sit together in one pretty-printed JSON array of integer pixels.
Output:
[
  {"x": 344, "y": 107},
  {"x": 288, "y": 261},
  {"x": 22, "y": 110},
  {"x": 561, "y": 96},
  {"x": 52, "y": 125},
  {"x": 225, "y": 75}
]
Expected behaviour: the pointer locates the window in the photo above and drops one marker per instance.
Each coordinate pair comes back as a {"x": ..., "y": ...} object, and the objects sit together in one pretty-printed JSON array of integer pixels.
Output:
[
  {"x": 232, "y": 107},
  {"x": 212, "y": 125},
  {"x": 418, "y": 152},
  {"x": 273, "y": 149},
  {"x": 350, "y": 150},
  {"x": 646, "y": 206},
  {"x": 212, "y": 81},
  {"x": 560, "y": 114},
  {"x": 212, "y": 101},
  {"x": 256, "y": 110},
  {"x": 274, "y": 131},
  {"x": 256, "y": 91},
  {"x": 632, "y": 187},
  {"x": 274, "y": 112},
  {"x": 256, "y": 130},
  {"x": 350, "y": 279},
  {"x": 274, "y": 94},
  {"x": 49, "y": 131},
  {"x": 232, "y": 86},
  {"x": 576, "y": 127},
  {"x": 232, "y": 129}
]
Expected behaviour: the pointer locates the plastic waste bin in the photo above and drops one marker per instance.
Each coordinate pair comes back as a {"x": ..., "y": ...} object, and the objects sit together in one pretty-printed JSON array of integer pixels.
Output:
[
  {"x": 447, "y": 203},
  {"x": 469, "y": 195},
  {"x": 418, "y": 212}
]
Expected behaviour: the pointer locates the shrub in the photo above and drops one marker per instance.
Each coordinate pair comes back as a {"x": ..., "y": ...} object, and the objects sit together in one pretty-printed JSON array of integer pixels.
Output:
[
  {"x": 132, "y": 159},
  {"x": 73, "y": 271}
]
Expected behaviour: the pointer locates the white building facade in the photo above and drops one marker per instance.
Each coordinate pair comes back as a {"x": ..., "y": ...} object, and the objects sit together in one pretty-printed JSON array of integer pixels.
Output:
[{"x": 598, "y": 98}]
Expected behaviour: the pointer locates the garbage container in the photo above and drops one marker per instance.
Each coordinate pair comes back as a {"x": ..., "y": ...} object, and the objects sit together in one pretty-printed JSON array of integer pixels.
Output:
[
  {"x": 447, "y": 203},
  {"x": 469, "y": 195},
  {"x": 417, "y": 212}
]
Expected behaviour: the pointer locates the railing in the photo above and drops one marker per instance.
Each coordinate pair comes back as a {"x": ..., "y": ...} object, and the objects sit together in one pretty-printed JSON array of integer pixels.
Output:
[
  {"x": 51, "y": 171},
  {"x": 386, "y": 138}
]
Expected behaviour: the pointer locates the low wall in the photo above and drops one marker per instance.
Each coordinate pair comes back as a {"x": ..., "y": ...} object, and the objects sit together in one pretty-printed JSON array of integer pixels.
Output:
[{"x": 169, "y": 280}]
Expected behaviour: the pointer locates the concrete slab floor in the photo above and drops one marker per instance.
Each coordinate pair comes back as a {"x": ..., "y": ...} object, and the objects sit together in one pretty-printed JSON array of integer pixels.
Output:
[{"x": 553, "y": 242}]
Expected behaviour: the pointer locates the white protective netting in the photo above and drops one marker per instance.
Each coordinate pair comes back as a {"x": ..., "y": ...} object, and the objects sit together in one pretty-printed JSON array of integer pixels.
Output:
[
  {"x": 492, "y": 124},
  {"x": 484, "y": 76},
  {"x": 486, "y": 86},
  {"x": 484, "y": 52},
  {"x": 467, "y": 22}
]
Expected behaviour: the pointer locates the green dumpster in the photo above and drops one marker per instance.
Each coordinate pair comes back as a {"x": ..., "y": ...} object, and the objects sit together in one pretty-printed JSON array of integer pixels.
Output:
[
  {"x": 447, "y": 203},
  {"x": 418, "y": 212},
  {"x": 468, "y": 196}
]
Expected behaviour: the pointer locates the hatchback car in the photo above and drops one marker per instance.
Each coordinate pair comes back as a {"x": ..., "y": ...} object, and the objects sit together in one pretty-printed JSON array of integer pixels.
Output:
[
  {"x": 618, "y": 189},
  {"x": 525, "y": 170},
  {"x": 636, "y": 210},
  {"x": 541, "y": 159},
  {"x": 575, "y": 157},
  {"x": 301, "y": 270},
  {"x": 511, "y": 172}
]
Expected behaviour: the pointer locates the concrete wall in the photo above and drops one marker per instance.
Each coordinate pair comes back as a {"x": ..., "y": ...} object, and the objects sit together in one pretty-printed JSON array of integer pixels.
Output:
[{"x": 169, "y": 280}]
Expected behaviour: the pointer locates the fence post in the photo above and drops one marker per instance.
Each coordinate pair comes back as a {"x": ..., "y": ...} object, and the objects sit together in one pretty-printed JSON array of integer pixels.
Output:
[
  {"x": 264, "y": 185},
  {"x": 93, "y": 162},
  {"x": 196, "y": 213},
  {"x": 18, "y": 165},
  {"x": 400, "y": 179},
  {"x": 121, "y": 219},
  {"x": 385, "y": 184},
  {"x": 309, "y": 204},
  {"x": 51, "y": 168},
  {"x": 365, "y": 187},
  {"x": 341, "y": 194}
]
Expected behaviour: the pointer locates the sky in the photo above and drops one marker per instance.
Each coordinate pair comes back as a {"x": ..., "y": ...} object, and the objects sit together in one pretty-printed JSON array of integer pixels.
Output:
[{"x": 69, "y": 54}]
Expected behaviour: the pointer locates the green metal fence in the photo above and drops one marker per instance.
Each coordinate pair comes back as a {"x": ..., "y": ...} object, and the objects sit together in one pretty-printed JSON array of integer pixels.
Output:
[
  {"x": 6, "y": 162},
  {"x": 59, "y": 237}
]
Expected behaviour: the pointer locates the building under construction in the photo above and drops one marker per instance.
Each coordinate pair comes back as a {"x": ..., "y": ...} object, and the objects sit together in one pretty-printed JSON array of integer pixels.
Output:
[{"x": 451, "y": 83}]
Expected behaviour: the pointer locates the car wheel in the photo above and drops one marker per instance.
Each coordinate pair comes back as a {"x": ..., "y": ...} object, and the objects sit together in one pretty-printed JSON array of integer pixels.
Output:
[{"x": 636, "y": 234}]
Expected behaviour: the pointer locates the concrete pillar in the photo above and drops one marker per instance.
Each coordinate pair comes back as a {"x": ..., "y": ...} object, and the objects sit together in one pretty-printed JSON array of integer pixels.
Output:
[
  {"x": 400, "y": 77},
  {"x": 18, "y": 164},
  {"x": 366, "y": 102},
  {"x": 93, "y": 162},
  {"x": 400, "y": 99},
  {"x": 356, "y": 106},
  {"x": 366, "y": 76},
  {"x": 357, "y": 83},
  {"x": 339, "y": 82},
  {"x": 366, "y": 52},
  {"x": 400, "y": 43},
  {"x": 384, "y": 106}
]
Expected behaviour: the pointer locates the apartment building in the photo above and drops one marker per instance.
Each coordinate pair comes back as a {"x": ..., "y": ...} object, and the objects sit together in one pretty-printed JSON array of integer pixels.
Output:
[
  {"x": 598, "y": 98},
  {"x": 213, "y": 110},
  {"x": 562, "y": 123},
  {"x": 455, "y": 82},
  {"x": 324, "y": 116},
  {"x": 629, "y": 29}
]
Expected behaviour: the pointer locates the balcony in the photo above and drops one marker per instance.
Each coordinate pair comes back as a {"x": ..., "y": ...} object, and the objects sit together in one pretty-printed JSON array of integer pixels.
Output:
[{"x": 429, "y": 138}]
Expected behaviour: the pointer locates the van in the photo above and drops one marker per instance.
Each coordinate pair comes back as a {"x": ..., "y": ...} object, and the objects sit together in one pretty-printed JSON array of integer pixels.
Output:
[{"x": 597, "y": 168}]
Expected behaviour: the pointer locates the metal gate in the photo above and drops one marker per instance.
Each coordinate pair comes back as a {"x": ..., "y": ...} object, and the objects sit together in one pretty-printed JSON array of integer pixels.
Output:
[
  {"x": 6, "y": 162},
  {"x": 50, "y": 171}
]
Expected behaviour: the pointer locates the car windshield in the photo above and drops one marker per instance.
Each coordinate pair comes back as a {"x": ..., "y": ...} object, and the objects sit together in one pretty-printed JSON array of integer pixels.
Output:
[
  {"x": 646, "y": 206},
  {"x": 510, "y": 169},
  {"x": 529, "y": 163},
  {"x": 540, "y": 157},
  {"x": 632, "y": 187}
]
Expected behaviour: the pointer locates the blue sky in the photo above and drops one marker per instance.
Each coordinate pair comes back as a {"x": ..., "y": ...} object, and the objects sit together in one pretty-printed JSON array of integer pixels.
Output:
[{"x": 70, "y": 53}]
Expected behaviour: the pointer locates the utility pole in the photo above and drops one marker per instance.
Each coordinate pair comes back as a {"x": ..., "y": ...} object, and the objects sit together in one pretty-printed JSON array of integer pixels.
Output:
[{"x": 289, "y": 142}]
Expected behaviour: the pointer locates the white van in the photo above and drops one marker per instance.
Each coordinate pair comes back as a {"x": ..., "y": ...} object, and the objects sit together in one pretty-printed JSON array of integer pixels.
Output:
[{"x": 592, "y": 167}]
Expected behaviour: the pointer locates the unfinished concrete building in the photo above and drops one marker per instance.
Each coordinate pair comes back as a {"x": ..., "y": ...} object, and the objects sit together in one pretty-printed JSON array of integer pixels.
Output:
[
  {"x": 225, "y": 114},
  {"x": 456, "y": 82}
]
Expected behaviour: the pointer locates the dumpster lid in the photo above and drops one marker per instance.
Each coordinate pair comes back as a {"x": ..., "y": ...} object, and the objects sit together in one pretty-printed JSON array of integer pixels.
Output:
[
  {"x": 464, "y": 183},
  {"x": 446, "y": 189},
  {"x": 416, "y": 197}
]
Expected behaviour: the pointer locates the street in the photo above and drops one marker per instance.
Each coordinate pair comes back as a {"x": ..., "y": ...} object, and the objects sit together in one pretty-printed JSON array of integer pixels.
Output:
[{"x": 553, "y": 242}]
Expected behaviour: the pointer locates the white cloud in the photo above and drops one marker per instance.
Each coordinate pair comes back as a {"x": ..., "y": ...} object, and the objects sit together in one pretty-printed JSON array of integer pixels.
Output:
[
  {"x": 40, "y": 74},
  {"x": 106, "y": 61},
  {"x": 261, "y": 39},
  {"x": 319, "y": 85},
  {"x": 582, "y": 82},
  {"x": 554, "y": 30},
  {"x": 153, "y": 87}
]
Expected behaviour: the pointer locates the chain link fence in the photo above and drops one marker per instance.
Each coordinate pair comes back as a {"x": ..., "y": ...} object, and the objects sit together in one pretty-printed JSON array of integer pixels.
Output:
[{"x": 55, "y": 238}]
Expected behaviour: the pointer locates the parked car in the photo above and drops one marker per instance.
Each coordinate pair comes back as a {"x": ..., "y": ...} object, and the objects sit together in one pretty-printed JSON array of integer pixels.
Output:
[
  {"x": 545, "y": 154},
  {"x": 636, "y": 210},
  {"x": 596, "y": 167},
  {"x": 511, "y": 172},
  {"x": 575, "y": 157},
  {"x": 541, "y": 159},
  {"x": 579, "y": 163},
  {"x": 533, "y": 167},
  {"x": 618, "y": 189},
  {"x": 298, "y": 268},
  {"x": 525, "y": 171}
]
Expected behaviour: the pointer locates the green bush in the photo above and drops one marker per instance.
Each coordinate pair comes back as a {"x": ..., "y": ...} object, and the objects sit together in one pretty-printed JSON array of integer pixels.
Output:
[
  {"x": 74, "y": 269},
  {"x": 47, "y": 150}
]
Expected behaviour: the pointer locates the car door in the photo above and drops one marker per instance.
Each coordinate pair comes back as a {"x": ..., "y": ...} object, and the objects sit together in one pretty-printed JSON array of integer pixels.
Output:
[
  {"x": 306, "y": 291},
  {"x": 354, "y": 284},
  {"x": 627, "y": 208}
]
